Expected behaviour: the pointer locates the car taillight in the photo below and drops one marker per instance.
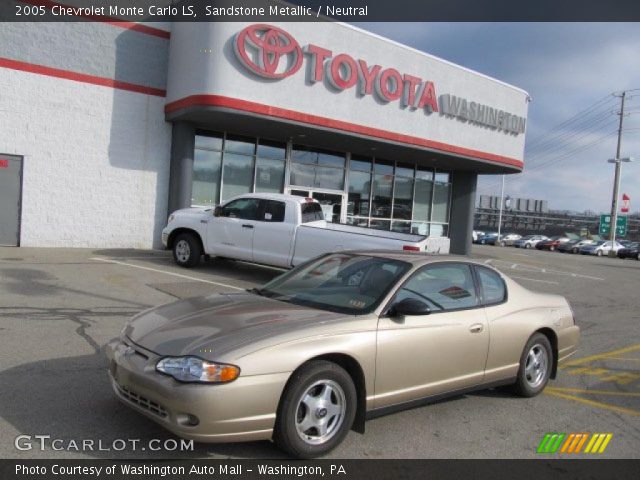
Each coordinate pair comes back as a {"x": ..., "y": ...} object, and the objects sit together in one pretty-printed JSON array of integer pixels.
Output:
[{"x": 410, "y": 248}]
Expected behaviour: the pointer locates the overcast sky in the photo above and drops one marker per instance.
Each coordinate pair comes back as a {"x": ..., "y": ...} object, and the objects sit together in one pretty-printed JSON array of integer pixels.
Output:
[{"x": 566, "y": 68}]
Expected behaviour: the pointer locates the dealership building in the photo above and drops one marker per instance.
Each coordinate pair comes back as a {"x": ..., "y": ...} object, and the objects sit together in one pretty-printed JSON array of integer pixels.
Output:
[{"x": 106, "y": 127}]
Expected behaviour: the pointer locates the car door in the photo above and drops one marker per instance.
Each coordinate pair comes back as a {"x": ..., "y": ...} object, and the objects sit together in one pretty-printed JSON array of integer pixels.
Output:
[
  {"x": 274, "y": 233},
  {"x": 231, "y": 233},
  {"x": 445, "y": 350}
]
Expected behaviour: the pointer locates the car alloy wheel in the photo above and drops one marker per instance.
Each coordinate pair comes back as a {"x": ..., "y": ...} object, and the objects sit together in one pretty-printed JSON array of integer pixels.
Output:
[
  {"x": 638, "y": 256},
  {"x": 599, "y": 253},
  {"x": 316, "y": 410},
  {"x": 527, "y": 245},
  {"x": 552, "y": 248},
  {"x": 320, "y": 412},
  {"x": 536, "y": 364}
]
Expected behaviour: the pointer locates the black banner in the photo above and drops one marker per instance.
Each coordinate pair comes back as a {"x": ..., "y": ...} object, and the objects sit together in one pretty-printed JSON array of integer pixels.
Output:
[
  {"x": 321, "y": 10},
  {"x": 546, "y": 469}
]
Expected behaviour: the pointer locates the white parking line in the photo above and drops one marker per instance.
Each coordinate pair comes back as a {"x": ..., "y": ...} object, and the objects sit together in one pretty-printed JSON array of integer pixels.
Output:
[
  {"x": 195, "y": 279},
  {"x": 525, "y": 267},
  {"x": 535, "y": 280}
]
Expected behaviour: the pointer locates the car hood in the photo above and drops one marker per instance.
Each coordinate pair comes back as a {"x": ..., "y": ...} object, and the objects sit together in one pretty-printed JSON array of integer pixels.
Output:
[{"x": 219, "y": 323}]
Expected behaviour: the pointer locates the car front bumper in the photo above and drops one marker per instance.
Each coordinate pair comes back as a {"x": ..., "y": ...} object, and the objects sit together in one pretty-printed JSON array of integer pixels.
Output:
[{"x": 242, "y": 410}]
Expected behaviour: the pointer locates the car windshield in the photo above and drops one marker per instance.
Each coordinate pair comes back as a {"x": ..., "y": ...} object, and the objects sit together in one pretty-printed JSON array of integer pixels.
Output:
[
  {"x": 601, "y": 242},
  {"x": 340, "y": 282}
]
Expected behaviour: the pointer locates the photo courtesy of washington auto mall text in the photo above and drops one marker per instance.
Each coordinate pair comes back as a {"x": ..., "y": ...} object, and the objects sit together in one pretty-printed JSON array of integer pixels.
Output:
[{"x": 390, "y": 240}]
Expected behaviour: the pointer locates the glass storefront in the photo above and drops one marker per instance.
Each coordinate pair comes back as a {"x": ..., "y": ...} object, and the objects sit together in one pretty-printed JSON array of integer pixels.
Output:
[{"x": 362, "y": 191}]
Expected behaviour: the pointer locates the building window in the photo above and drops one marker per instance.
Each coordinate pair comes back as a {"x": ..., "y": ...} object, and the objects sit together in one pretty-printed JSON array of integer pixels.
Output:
[
  {"x": 315, "y": 168},
  {"x": 441, "y": 204},
  {"x": 207, "y": 166},
  {"x": 380, "y": 194},
  {"x": 270, "y": 166},
  {"x": 359, "y": 191},
  {"x": 228, "y": 165}
]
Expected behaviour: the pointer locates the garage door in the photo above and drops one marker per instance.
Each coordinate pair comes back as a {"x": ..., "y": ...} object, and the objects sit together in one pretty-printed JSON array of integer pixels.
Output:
[{"x": 10, "y": 197}]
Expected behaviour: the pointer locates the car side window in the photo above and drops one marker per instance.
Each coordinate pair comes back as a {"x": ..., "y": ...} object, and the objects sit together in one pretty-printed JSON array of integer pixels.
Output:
[
  {"x": 272, "y": 211},
  {"x": 493, "y": 287},
  {"x": 243, "y": 208},
  {"x": 443, "y": 287}
]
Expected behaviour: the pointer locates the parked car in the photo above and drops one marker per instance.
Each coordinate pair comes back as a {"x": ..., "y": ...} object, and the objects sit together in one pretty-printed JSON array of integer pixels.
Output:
[
  {"x": 487, "y": 238},
  {"x": 313, "y": 353},
  {"x": 573, "y": 246},
  {"x": 600, "y": 248},
  {"x": 552, "y": 244},
  {"x": 271, "y": 229},
  {"x": 475, "y": 235},
  {"x": 529, "y": 241},
  {"x": 509, "y": 239},
  {"x": 631, "y": 250}
]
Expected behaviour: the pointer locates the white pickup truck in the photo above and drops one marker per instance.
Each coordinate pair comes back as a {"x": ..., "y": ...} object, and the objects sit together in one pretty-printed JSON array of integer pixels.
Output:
[{"x": 275, "y": 229}]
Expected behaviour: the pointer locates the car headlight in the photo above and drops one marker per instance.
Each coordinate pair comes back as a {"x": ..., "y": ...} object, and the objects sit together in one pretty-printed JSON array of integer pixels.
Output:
[{"x": 194, "y": 369}]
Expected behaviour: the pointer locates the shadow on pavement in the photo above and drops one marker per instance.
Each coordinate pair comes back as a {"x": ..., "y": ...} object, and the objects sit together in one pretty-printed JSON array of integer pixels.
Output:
[{"x": 71, "y": 399}]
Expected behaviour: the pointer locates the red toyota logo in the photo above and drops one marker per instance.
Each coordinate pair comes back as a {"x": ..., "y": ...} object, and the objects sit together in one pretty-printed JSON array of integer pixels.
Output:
[{"x": 261, "y": 48}]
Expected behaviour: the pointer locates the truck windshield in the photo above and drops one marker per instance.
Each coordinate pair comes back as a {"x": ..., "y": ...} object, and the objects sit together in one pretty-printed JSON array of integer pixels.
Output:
[
  {"x": 344, "y": 283},
  {"x": 311, "y": 212}
]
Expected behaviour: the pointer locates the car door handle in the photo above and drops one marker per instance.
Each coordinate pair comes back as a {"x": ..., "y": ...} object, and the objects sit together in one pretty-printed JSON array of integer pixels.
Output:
[
  {"x": 247, "y": 226},
  {"x": 476, "y": 328}
]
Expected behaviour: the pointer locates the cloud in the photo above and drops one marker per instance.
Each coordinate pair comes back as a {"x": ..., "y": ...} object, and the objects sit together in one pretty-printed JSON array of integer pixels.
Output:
[{"x": 566, "y": 67}]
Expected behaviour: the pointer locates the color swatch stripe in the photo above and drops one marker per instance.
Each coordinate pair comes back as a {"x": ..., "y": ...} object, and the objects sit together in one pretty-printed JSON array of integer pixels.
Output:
[{"x": 572, "y": 443}]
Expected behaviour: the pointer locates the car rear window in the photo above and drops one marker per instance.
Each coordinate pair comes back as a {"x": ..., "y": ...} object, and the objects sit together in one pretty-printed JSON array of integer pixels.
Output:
[{"x": 311, "y": 212}]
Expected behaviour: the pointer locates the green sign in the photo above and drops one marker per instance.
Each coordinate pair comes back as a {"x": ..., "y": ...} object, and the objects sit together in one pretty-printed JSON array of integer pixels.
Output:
[{"x": 605, "y": 225}]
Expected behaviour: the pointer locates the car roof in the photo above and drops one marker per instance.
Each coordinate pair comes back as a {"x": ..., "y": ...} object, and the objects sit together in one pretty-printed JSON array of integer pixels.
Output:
[{"x": 413, "y": 257}]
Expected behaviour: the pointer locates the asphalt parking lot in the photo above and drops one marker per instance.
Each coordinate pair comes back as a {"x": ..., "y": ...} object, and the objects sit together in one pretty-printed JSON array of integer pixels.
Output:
[{"x": 58, "y": 308}]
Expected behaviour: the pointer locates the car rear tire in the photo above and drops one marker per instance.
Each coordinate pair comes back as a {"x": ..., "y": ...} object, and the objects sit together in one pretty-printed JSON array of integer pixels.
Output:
[
  {"x": 316, "y": 410},
  {"x": 536, "y": 363},
  {"x": 638, "y": 257},
  {"x": 552, "y": 248},
  {"x": 187, "y": 250},
  {"x": 575, "y": 250}
]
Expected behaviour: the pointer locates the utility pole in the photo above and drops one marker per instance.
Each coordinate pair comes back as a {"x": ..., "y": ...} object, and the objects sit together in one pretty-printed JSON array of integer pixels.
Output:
[
  {"x": 500, "y": 214},
  {"x": 616, "y": 181}
]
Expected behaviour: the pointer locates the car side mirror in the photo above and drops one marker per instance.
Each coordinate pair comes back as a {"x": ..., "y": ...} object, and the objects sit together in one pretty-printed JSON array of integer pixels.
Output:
[
  {"x": 217, "y": 211},
  {"x": 409, "y": 306}
]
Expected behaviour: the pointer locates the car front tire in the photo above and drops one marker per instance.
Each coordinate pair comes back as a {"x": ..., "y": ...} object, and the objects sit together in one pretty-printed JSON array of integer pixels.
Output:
[
  {"x": 316, "y": 411},
  {"x": 536, "y": 363},
  {"x": 187, "y": 250},
  {"x": 527, "y": 245},
  {"x": 599, "y": 253}
]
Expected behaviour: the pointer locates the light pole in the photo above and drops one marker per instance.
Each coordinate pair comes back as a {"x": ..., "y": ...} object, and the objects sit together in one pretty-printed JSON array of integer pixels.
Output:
[
  {"x": 500, "y": 213},
  {"x": 614, "y": 203}
]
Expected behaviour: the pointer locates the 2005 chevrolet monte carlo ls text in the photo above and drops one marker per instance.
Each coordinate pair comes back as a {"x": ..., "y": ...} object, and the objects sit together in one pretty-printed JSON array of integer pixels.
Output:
[{"x": 340, "y": 338}]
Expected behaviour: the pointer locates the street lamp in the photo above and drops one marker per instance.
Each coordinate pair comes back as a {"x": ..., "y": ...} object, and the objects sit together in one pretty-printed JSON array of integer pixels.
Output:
[{"x": 614, "y": 203}]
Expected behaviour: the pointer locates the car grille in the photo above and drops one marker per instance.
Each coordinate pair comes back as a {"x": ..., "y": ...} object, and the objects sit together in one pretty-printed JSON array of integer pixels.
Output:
[{"x": 142, "y": 402}]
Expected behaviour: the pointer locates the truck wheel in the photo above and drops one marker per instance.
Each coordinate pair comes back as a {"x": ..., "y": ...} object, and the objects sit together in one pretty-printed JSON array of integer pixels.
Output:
[{"x": 187, "y": 250}]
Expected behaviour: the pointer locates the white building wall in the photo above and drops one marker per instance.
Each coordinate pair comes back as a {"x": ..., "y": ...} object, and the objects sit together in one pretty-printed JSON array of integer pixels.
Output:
[{"x": 96, "y": 161}]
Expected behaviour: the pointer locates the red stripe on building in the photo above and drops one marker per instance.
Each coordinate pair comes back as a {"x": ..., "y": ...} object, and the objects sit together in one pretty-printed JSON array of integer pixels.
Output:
[
  {"x": 80, "y": 77},
  {"x": 138, "y": 27},
  {"x": 246, "y": 106}
]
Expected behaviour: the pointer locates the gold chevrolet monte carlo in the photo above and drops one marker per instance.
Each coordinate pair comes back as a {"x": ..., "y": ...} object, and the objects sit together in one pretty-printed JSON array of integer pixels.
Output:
[{"x": 339, "y": 339}]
